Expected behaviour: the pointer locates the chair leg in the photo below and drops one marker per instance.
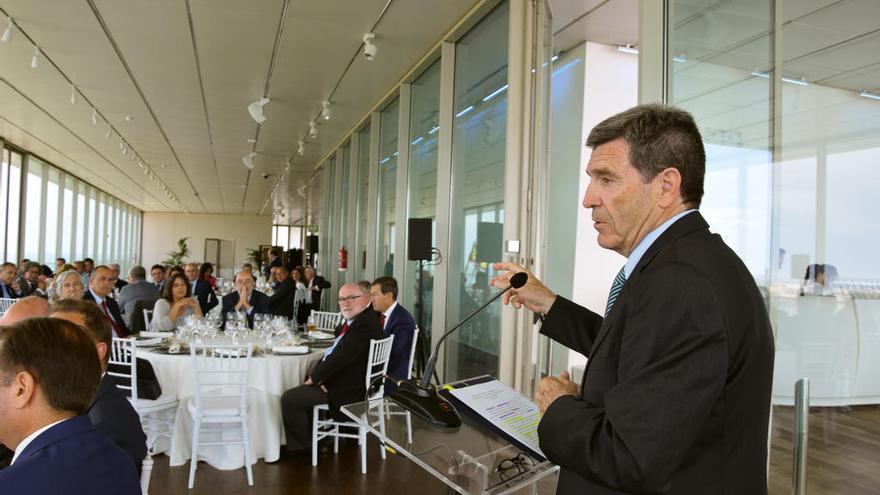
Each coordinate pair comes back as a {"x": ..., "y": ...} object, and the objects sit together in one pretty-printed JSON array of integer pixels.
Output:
[
  {"x": 315, "y": 416},
  {"x": 382, "y": 428},
  {"x": 408, "y": 428},
  {"x": 146, "y": 469},
  {"x": 362, "y": 439},
  {"x": 247, "y": 451},
  {"x": 195, "y": 453},
  {"x": 335, "y": 439}
]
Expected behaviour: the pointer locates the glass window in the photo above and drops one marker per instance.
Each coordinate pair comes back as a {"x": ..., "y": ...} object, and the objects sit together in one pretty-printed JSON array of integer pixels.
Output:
[
  {"x": 358, "y": 255},
  {"x": 478, "y": 172},
  {"x": 342, "y": 233},
  {"x": 33, "y": 209},
  {"x": 422, "y": 177},
  {"x": 386, "y": 231},
  {"x": 91, "y": 249},
  {"x": 53, "y": 192},
  {"x": 81, "y": 241},
  {"x": 4, "y": 197},
  {"x": 10, "y": 198},
  {"x": 67, "y": 222}
]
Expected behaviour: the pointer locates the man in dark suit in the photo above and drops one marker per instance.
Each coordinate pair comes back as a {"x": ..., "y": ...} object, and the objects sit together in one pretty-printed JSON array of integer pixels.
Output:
[
  {"x": 100, "y": 286},
  {"x": 157, "y": 274},
  {"x": 281, "y": 300},
  {"x": 118, "y": 282},
  {"x": 676, "y": 393},
  {"x": 29, "y": 281},
  {"x": 110, "y": 411},
  {"x": 8, "y": 286},
  {"x": 397, "y": 321},
  {"x": 274, "y": 261},
  {"x": 138, "y": 289},
  {"x": 315, "y": 285},
  {"x": 337, "y": 379},
  {"x": 201, "y": 289},
  {"x": 245, "y": 298},
  {"x": 50, "y": 371}
]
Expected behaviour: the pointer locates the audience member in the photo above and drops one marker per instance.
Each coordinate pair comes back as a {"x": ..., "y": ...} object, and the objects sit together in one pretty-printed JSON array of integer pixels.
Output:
[
  {"x": 29, "y": 281},
  {"x": 206, "y": 273},
  {"x": 110, "y": 412},
  {"x": 117, "y": 282},
  {"x": 281, "y": 301},
  {"x": 100, "y": 286},
  {"x": 247, "y": 267},
  {"x": 88, "y": 267},
  {"x": 8, "y": 285},
  {"x": 245, "y": 298},
  {"x": 299, "y": 280},
  {"x": 26, "y": 307},
  {"x": 274, "y": 260},
  {"x": 157, "y": 273},
  {"x": 68, "y": 285},
  {"x": 201, "y": 290},
  {"x": 175, "y": 304},
  {"x": 59, "y": 264},
  {"x": 138, "y": 289},
  {"x": 338, "y": 378},
  {"x": 397, "y": 321},
  {"x": 315, "y": 284},
  {"x": 49, "y": 371}
]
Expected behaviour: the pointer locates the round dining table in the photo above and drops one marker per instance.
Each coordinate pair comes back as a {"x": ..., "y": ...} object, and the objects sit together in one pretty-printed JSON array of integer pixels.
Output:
[{"x": 270, "y": 376}]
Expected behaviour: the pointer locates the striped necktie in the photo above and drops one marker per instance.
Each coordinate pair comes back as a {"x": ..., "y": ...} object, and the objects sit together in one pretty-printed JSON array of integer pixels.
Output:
[{"x": 616, "y": 287}]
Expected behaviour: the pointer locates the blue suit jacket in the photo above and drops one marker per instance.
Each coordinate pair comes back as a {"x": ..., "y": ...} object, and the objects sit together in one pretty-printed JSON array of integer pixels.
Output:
[
  {"x": 205, "y": 295},
  {"x": 259, "y": 301},
  {"x": 112, "y": 415},
  {"x": 71, "y": 458},
  {"x": 402, "y": 325}
]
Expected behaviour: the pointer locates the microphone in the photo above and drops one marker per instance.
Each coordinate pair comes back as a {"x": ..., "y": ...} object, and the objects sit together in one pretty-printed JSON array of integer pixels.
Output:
[{"x": 420, "y": 396}]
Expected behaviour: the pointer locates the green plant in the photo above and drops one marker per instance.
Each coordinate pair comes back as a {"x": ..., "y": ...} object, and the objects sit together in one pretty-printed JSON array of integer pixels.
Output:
[
  {"x": 255, "y": 256},
  {"x": 176, "y": 257}
]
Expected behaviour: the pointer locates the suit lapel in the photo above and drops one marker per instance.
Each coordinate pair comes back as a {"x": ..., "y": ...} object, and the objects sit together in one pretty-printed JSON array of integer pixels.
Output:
[{"x": 685, "y": 225}]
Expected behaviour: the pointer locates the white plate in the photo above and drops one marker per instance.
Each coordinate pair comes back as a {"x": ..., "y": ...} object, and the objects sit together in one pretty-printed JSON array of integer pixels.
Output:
[
  {"x": 290, "y": 349},
  {"x": 155, "y": 334},
  {"x": 318, "y": 335},
  {"x": 148, "y": 342}
]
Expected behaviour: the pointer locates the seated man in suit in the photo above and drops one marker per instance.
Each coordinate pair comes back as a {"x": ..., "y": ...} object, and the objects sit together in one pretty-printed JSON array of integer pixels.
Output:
[
  {"x": 315, "y": 285},
  {"x": 138, "y": 289},
  {"x": 245, "y": 298},
  {"x": 397, "y": 321},
  {"x": 49, "y": 371},
  {"x": 281, "y": 300},
  {"x": 338, "y": 379},
  {"x": 117, "y": 282},
  {"x": 201, "y": 289},
  {"x": 8, "y": 286},
  {"x": 29, "y": 281},
  {"x": 274, "y": 261},
  {"x": 157, "y": 273},
  {"x": 111, "y": 413},
  {"x": 100, "y": 286}
]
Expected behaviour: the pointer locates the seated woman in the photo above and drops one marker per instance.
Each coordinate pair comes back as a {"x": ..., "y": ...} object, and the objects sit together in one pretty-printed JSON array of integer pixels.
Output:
[
  {"x": 67, "y": 285},
  {"x": 206, "y": 273},
  {"x": 175, "y": 305},
  {"x": 299, "y": 299}
]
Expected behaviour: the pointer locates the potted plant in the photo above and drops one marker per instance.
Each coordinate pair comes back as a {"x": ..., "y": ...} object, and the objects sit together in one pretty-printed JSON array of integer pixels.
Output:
[{"x": 175, "y": 258}]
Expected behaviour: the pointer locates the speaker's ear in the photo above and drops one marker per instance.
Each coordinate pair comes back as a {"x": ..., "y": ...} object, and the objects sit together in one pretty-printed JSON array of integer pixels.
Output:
[{"x": 419, "y": 237}]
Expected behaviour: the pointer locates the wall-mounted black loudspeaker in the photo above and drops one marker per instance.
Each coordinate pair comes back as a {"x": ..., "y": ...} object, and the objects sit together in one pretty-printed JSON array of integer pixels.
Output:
[
  {"x": 419, "y": 237},
  {"x": 312, "y": 243}
]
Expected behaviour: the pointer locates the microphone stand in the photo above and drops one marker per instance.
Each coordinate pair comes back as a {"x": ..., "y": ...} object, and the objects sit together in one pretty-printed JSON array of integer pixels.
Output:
[{"x": 420, "y": 396}]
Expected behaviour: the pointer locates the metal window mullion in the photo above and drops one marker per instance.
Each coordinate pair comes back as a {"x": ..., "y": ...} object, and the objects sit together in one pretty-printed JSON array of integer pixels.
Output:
[
  {"x": 59, "y": 223},
  {"x": 353, "y": 189},
  {"x": 401, "y": 194},
  {"x": 373, "y": 194}
]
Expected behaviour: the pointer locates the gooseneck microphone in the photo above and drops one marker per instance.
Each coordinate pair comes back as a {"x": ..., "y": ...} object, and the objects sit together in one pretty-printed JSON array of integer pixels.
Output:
[{"x": 420, "y": 396}]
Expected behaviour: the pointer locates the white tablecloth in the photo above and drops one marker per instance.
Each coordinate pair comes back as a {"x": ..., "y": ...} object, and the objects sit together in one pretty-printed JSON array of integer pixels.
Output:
[{"x": 269, "y": 377}]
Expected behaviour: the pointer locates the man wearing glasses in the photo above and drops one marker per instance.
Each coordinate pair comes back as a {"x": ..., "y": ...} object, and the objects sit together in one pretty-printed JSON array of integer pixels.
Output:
[{"x": 338, "y": 378}]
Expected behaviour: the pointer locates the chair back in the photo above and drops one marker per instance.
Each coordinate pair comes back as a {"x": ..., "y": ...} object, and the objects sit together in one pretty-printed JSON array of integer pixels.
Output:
[
  {"x": 123, "y": 366},
  {"x": 221, "y": 372},
  {"x": 412, "y": 353},
  {"x": 148, "y": 318},
  {"x": 5, "y": 303},
  {"x": 377, "y": 366},
  {"x": 327, "y": 320},
  {"x": 135, "y": 318}
]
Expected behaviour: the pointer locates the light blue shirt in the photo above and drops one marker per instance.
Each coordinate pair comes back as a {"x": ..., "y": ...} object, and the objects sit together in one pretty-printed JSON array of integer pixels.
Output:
[
  {"x": 636, "y": 255},
  {"x": 335, "y": 342}
]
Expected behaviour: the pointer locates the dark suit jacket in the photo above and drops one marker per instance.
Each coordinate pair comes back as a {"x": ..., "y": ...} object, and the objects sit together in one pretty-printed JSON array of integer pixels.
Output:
[
  {"x": 120, "y": 283},
  {"x": 321, "y": 284},
  {"x": 205, "y": 294},
  {"x": 258, "y": 300},
  {"x": 676, "y": 393},
  {"x": 25, "y": 288},
  {"x": 112, "y": 415},
  {"x": 268, "y": 269},
  {"x": 11, "y": 293},
  {"x": 402, "y": 325},
  {"x": 71, "y": 458},
  {"x": 113, "y": 307},
  {"x": 281, "y": 300},
  {"x": 131, "y": 293},
  {"x": 345, "y": 369}
]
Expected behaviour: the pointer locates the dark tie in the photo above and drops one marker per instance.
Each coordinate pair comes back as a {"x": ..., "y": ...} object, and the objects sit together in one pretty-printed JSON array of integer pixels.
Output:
[
  {"x": 7, "y": 292},
  {"x": 382, "y": 320},
  {"x": 116, "y": 329},
  {"x": 616, "y": 287},
  {"x": 344, "y": 329}
]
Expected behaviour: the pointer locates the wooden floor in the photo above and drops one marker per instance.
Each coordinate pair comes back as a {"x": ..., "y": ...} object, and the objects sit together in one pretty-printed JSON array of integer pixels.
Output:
[{"x": 843, "y": 458}]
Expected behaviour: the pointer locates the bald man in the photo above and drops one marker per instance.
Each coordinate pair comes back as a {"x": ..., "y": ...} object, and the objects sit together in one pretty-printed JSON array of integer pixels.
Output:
[{"x": 24, "y": 308}]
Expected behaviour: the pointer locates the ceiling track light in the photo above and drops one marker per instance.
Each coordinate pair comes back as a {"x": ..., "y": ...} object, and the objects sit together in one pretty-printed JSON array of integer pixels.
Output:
[
  {"x": 35, "y": 60},
  {"x": 301, "y": 149},
  {"x": 313, "y": 130},
  {"x": 248, "y": 160},
  {"x": 370, "y": 49},
  {"x": 72, "y": 94},
  {"x": 94, "y": 116},
  {"x": 7, "y": 33},
  {"x": 109, "y": 130},
  {"x": 325, "y": 110},
  {"x": 256, "y": 110}
]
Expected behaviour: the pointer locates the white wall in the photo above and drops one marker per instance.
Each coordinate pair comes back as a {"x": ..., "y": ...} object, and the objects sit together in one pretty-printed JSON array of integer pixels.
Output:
[{"x": 162, "y": 230}]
